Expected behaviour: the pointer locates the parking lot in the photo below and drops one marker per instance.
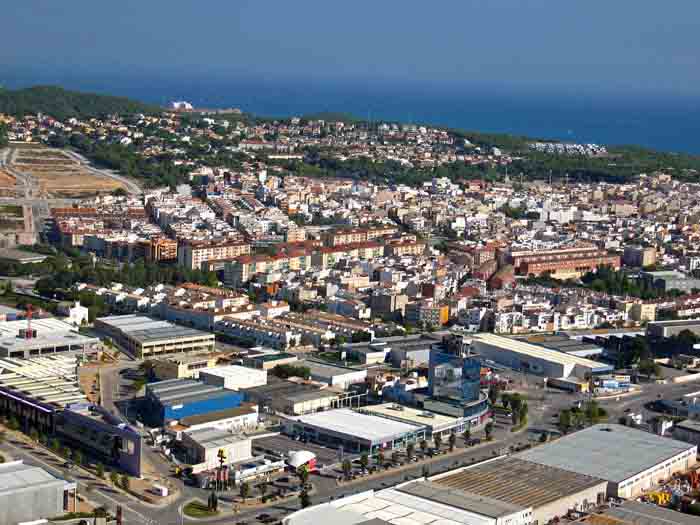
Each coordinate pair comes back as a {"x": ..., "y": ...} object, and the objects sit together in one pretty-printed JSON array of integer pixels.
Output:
[{"x": 282, "y": 445}]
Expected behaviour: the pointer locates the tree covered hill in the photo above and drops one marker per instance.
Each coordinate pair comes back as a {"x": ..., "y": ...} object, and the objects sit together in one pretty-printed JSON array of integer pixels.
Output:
[{"x": 61, "y": 103}]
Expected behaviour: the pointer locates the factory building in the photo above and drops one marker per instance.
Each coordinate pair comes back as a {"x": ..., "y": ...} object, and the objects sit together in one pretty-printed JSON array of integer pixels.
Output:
[
  {"x": 175, "y": 399},
  {"x": 434, "y": 423},
  {"x": 145, "y": 337},
  {"x": 295, "y": 399},
  {"x": 239, "y": 419},
  {"x": 412, "y": 503},
  {"x": 203, "y": 447},
  {"x": 104, "y": 435},
  {"x": 35, "y": 390},
  {"x": 354, "y": 431},
  {"x": 550, "y": 492},
  {"x": 661, "y": 329},
  {"x": 30, "y": 494},
  {"x": 534, "y": 359},
  {"x": 184, "y": 366},
  {"x": 47, "y": 336},
  {"x": 630, "y": 460},
  {"x": 233, "y": 377},
  {"x": 334, "y": 375}
]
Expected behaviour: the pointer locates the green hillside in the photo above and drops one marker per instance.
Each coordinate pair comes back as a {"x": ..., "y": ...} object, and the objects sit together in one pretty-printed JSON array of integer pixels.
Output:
[{"x": 61, "y": 103}]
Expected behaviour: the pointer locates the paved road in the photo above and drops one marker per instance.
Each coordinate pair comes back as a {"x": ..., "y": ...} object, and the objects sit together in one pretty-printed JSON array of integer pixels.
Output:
[{"x": 134, "y": 512}]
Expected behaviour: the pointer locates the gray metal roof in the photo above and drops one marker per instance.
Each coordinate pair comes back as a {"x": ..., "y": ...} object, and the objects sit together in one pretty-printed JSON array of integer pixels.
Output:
[
  {"x": 461, "y": 499},
  {"x": 517, "y": 482},
  {"x": 610, "y": 452},
  {"x": 209, "y": 438},
  {"x": 16, "y": 476},
  {"x": 180, "y": 391},
  {"x": 147, "y": 329},
  {"x": 637, "y": 513}
]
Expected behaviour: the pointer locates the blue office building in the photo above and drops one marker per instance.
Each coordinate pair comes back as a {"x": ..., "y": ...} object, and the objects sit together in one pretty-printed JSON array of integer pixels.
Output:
[
  {"x": 454, "y": 378},
  {"x": 177, "y": 398},
  {"x": 454, "y": 387}
]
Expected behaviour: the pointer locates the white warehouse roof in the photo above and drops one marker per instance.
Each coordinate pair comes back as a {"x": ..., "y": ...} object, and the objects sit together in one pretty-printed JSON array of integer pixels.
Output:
[
  {"x": 539, "y": 352},
  {"x": 362, "y": 426},
  {"x": 607, "y": 451}
]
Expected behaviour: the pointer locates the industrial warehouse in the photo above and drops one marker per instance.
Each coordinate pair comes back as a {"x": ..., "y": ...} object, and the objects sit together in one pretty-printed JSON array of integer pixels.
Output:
[
  {"x": 34, "y": 390},
  {"x": 31, "y": 494},
  {"x": 498, "y": 491},
  {"x": 353, "y": 431},
  {"x": 25, "y": 339},
  {"x": 630, "y": 460},
  {"x": 145, "y": 337},
  {"x": 535, "y": 359},
  {"x": 549, "y": 492},
  {"x": 175, "y": 399}
]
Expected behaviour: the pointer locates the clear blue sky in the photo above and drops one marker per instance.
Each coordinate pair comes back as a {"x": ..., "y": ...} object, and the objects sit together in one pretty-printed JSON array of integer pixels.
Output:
[{"x": 607, "y": 45}]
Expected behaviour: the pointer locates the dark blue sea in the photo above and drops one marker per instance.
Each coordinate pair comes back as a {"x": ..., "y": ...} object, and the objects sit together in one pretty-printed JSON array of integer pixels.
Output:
[{"x": 658, "y": 121}]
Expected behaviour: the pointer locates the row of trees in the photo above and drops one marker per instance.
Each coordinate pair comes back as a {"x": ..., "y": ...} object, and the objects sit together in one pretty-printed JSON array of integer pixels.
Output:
[
  {"x": 518, "y": 407},
  {"x": 140, "y": 273},
  {"x": 610, "y": 281},
  {"x": 574, "y": 418}
]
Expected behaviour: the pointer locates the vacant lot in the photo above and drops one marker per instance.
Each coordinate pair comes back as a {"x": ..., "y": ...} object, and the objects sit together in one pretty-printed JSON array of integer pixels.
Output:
[{"x": 57, "y": 174}]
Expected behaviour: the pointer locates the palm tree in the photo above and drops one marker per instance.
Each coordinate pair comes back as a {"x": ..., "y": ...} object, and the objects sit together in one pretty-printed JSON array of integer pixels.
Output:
[
  {"x": 467, "y": 435},
  {"x": 488, "y": 429},
  {"x": 125, "y": 482},
  {"x": 347, "y": 468},
  {"x": 303, "y": 475},
  {"x": 114, "y": 478},
  {"x": 78, "y": 457},
  {"x": 304, "y": 499},
  {"x": 380, "y": 458},
  {"x": 34, "y": 434},
  {"x": 100, "y": 470},
  {"x": 453, "y": 441},
  {"x": 364, "y": 462},
  {"x": 423, "y": 446},
  {"x": 244, "y": 490},
  {"x": 262, "y": 487}
]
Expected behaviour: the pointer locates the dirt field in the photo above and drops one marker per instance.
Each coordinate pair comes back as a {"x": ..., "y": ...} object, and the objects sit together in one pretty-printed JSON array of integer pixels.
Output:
[
  {"x": 7, "y": 180},
  {"x": 57, "y": 174}
]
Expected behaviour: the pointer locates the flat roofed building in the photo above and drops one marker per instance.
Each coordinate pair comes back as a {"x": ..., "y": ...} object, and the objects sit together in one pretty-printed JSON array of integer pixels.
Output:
[
  {"x": 244, "y": 417},
  {"x": 29, "y": 493},
  {"x": 143, "y": 336},
  {"x": 550, "y": 492},
  {"x": 35, "y": 389},
  {"x": 520, "y": 355},
  {"x": 334, "y": 375},
  {"x": 46, "y": 344},
  {"x": 661, "y": 329},
  {"x": 435, "y": 423},
  {"x": 636, "y": 513},
  {"x": 184, "y": 366},
  {"x": 630, "y": 460},
  {"x": 293, "y": 398},
  {"x": 234, "y": 377},
  {"x": 103, "y": 434},
  {"x": 411, "y": 504},
  {"x": 354, "y": 431},
  {"x": 175, "y": 399},
  {"x": 202, "y": 447}
]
